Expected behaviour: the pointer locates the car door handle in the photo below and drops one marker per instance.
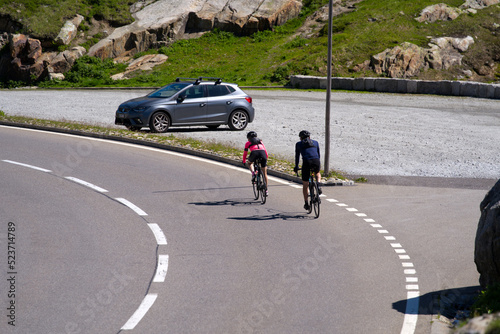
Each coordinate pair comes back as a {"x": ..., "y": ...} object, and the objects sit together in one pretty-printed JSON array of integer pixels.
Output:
[
  {"x": 229, "y": 102},
  {"x": 202, "y": 104}
]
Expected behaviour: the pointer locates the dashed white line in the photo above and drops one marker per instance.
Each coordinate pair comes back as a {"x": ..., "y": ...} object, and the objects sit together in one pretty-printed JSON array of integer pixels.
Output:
[
  {"x": 132, "y": 206},
  {"x": 161, "y": 270},
  {"x": 29, "y": 166},
  {"x": 158, "y": 233},
  {"x": 87, "y": 184},
  {"x": 146, "y": 304}
]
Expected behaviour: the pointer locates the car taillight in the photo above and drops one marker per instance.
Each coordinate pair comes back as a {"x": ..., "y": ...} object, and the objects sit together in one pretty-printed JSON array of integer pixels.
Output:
[{"x": 249, "y": 99}]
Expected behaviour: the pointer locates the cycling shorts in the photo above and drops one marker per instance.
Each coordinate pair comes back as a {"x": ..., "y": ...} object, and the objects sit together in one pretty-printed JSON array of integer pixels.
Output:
[
  {"x": 258, "y": 154},
  {"x": 308, "y": 166}
]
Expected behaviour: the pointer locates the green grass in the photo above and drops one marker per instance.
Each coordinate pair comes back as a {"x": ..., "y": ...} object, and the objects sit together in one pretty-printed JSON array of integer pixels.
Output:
[
  {"x": 270, "y": 57},
  {"x": 44, "y": 18}
]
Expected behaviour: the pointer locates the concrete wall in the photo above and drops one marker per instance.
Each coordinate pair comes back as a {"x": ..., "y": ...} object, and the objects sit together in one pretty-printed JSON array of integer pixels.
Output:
[{"x": 386, "y": 85}]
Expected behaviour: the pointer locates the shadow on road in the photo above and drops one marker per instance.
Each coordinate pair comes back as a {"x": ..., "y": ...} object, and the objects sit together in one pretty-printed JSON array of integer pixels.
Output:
[
  {"x": 443, "y": 302},
  {"x": 232, "y": 202}
]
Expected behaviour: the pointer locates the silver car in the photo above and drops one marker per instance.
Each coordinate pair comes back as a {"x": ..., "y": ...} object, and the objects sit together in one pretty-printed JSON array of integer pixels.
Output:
[{"x": 188, "y": 102}]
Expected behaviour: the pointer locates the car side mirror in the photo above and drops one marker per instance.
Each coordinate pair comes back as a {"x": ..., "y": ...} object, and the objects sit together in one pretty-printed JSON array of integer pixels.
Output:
[{"x": 181, "y": 98}]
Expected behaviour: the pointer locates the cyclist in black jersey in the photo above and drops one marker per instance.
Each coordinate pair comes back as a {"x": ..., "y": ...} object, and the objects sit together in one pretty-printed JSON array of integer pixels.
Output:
[{"x": 309, "y": 149}]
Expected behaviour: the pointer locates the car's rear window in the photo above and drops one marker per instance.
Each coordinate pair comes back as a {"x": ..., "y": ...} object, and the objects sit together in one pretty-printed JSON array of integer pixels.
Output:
[
  {"x": 169, "y": 90},
  {"x": 218, "y": 90}
]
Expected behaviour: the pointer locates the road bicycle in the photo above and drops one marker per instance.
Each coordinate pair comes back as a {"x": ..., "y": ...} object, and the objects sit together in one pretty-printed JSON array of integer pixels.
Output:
[
  {"x": 259, "y": 183},
  {"x": 314, "y": 199}
]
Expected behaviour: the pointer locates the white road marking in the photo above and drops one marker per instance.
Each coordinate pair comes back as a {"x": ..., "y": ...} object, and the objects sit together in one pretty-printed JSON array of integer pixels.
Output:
[
  {"x": 158, "y": 233},
  {"x": 161, "y": 270},
  {"x": 351, "y": 209},
  {"x": 132, "y": 206},
  {"x": 410, "y": 271},
  {"x": 87, "y": 184},
  {"x": 389, "y": 237},
  {"x": 361, "y": 214},
  {"x": 146, "y": 304},
  {"x": 376, "y": 225},
  {"x": 369, "y": 220},
  {"x": 383, "y": 231},
  {"x": 29, "y": 166},
  {"x": 411, "y": 313},
  {"x": 331, "y": 200},
  {"x": 342, "y": 204}
]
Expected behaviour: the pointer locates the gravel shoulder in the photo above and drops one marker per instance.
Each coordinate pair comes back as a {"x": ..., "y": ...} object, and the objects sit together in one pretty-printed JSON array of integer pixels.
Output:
[{"x": 371, "y": 134}]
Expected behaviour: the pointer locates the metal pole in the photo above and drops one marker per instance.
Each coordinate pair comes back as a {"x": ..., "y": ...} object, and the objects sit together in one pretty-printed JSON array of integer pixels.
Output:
[{"x": 328, "y": 89}]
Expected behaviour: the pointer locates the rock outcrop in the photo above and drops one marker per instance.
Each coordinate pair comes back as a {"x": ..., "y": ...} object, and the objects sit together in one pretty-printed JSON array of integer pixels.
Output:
[
  {"x": 487, "y": 245},
  {"x": 68, "y": 31},
  {"x": 144, "y": 63},
  {"x": 162, "y": 22},
  {"x": 408, "y": 60},
  {"x": 438, "y": 12}
]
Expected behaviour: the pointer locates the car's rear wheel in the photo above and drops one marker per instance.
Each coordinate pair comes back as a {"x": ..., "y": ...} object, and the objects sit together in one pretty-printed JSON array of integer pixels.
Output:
[
  {"x": 159, "y": 122},
  {"x": 238, "y": 120}
]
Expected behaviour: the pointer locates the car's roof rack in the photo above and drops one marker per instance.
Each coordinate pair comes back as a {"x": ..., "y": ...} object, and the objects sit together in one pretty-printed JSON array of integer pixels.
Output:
[
  {"x": 218, "y": 81},
  {"x": 196, "y": 80}
]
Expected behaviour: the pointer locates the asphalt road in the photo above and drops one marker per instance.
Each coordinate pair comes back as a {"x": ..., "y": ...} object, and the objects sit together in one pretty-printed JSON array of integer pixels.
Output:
[{"x": 86, "y": 263}]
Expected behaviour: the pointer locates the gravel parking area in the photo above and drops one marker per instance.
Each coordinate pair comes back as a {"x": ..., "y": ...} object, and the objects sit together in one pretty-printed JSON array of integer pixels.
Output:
[{"x": 371, "y": 134}]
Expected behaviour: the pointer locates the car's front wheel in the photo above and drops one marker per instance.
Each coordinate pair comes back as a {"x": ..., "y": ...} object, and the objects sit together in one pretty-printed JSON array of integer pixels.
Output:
[
  {"x": 238, "y": 120},
  {"x": 159, "y": 122}
]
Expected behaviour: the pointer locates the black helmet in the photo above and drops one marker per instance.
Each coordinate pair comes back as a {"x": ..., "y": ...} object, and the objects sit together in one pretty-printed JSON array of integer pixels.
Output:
[
  {"x": 252, "y": 134},
  {"x": 304, "y": 134}
]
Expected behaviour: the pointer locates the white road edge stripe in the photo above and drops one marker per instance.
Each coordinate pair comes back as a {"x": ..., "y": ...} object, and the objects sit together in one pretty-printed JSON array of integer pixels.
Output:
[
  {"x": 29, "y": 166},
  {"x": 132, "y": 206},
  {"x": 146, "y": 304},
  {"x": 159, "y": 235},
  {"x": 87, "y": 184},
  {"x": 161, "y": 271}
]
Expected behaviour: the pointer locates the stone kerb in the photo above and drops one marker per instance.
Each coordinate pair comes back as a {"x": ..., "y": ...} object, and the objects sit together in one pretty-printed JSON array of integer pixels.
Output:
[{"x": 388, "y": 85}]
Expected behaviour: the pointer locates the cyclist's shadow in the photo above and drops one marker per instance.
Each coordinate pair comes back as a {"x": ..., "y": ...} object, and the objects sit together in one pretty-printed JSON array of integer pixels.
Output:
[
  {"x": 272, "y": 213},
  {"x": 232, "y": 202}
]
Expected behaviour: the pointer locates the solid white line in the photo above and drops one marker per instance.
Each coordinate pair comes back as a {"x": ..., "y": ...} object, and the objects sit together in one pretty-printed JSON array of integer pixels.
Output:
[
  {"x": 29, "y": 166},
  {"x": 87, "y": 184},
  {"x": 161, "y": 271},
  {"x": 411, "y": 313},
  {"x": 132, "y": 206},
  {"x": 160, "y": 237},
  {"x": 146, "y": 304}
]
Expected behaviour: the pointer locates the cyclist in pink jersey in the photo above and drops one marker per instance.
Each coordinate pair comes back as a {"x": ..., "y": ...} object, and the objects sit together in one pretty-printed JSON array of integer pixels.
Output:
[{"x": 257, "y": 152}]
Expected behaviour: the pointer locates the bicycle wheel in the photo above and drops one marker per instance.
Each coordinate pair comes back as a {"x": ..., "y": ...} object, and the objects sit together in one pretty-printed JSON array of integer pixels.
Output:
[
  {"x": 311, "y": 196},
  {"x": 316, "y": 200},
  {"x": 255, "y": 185},
  {"x": 263, "y": 188}
]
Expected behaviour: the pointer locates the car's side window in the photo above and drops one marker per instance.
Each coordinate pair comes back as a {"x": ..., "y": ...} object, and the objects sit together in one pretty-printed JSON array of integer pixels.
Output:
[
  {"x": 194, "y": 92},
  {"x": 218, "y": 90}
]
